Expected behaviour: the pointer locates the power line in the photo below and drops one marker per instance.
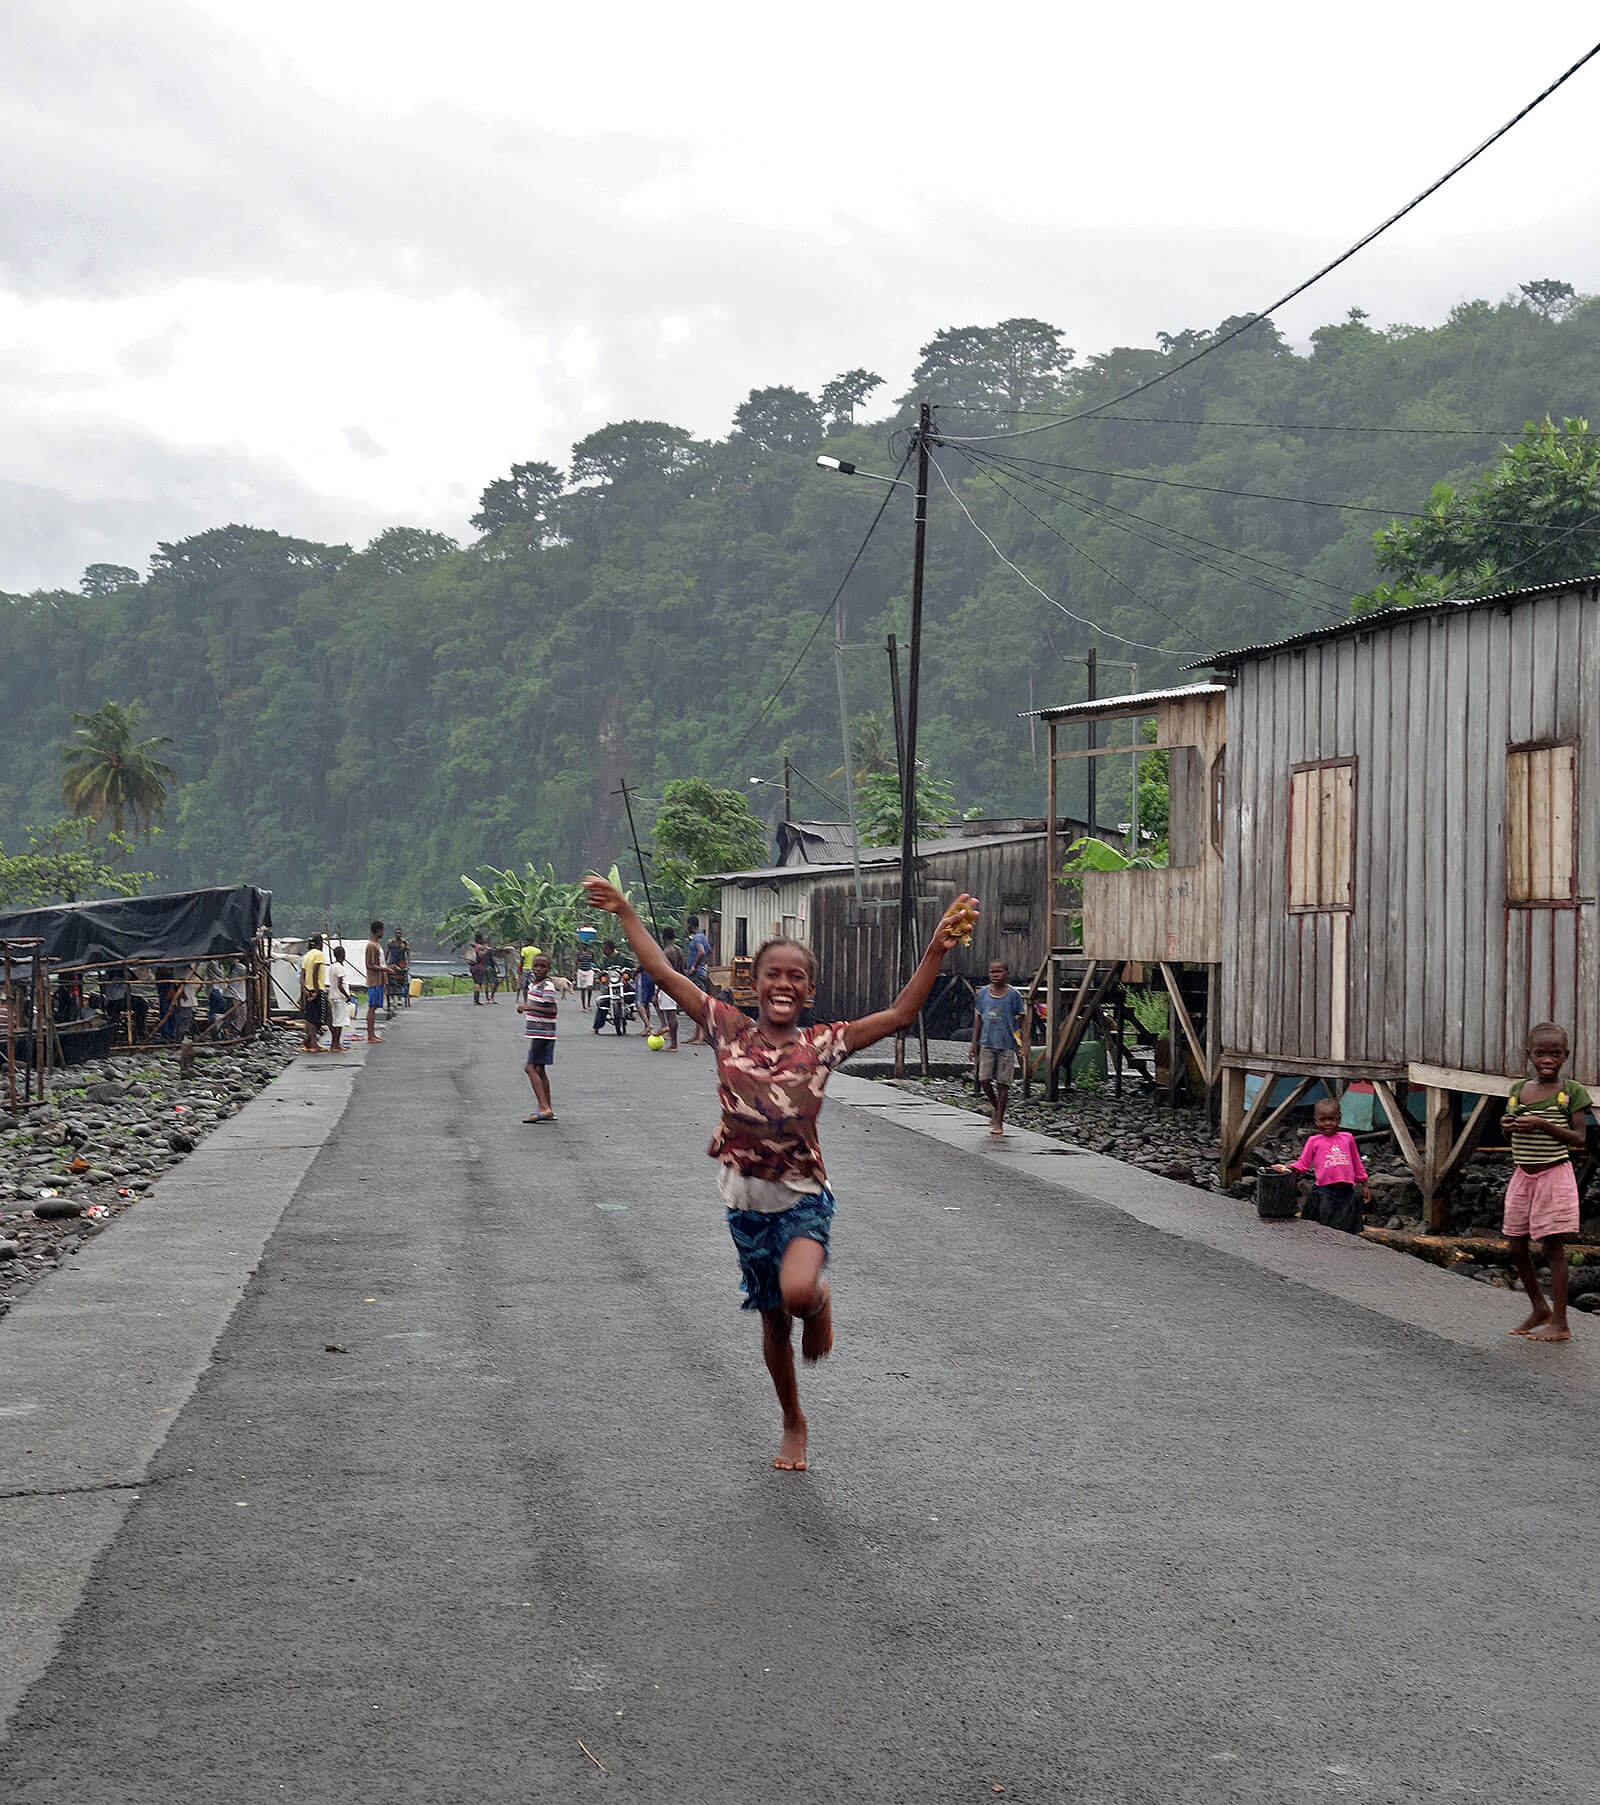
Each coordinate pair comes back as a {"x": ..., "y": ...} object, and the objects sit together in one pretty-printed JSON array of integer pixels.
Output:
[
  {"x": 821, "y": 620},
  {"x": 1425, "y": 432},
  {"x": 1082, "y": 619},
  {"x": 1008, "y": 458},
  {"x": 1300, "y": 288},
  {"x": 1105, "y": 512}
]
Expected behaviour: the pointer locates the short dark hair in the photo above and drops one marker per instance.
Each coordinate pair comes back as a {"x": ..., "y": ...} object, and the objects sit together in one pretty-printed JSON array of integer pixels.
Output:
[
  {"x": 768, "y": 946},
  {"x": 694, "y": 921},
  {"x": 377, "y": 927},
  {"x": 315, "y": 942},
  {"x": 1548, "y": 1031},
  {"x": 338, "y": 953},
  {"x": 669, "y": 933}
]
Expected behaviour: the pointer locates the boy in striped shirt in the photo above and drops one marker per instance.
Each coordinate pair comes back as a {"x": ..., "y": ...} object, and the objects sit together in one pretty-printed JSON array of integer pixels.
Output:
[
  {"x": 538, "y": 1008},
  {"x": 1546, "y": 1122}
]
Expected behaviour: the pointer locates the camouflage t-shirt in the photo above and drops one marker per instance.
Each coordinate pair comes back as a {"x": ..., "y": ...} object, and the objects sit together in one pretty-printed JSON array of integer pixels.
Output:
[{"x": 771, "y": 1096}]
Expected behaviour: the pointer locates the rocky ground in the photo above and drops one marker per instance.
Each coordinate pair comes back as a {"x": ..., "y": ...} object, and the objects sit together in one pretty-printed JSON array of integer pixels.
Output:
[
  {"x": 1143, "y": 1130},
  {"x": 103, "y": 1136}
]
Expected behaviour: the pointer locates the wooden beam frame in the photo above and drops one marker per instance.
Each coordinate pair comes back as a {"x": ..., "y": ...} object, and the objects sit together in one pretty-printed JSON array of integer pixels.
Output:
[
  {"x": 1180, "y": 1010},
  {"x": 1243, "y": 1129}
]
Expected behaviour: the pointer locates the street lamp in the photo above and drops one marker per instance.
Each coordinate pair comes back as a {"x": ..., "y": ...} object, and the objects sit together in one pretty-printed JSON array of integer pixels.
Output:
[{"x": 844, "y": 468}]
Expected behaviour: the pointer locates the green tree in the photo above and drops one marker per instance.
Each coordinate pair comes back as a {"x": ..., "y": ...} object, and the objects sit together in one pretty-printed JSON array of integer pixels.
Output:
[
  {"x": 525, "y": 498},
  {"x": 997, "y": 371},
  {"x": 778, "y": 419},
  {"x": 402, "y": 550},
  {"x": 1550, "y": 299},
  {"x": 878, "y": 807},
  {"x": 512, "y": 909},
  {"x": 872, "y": 750},
  {"x": 61, "y": 865},
  {"x": 110, "y": 771},
  {"x": 847, "y": 392},
  {"x": 102, "y": 580},
  {"x": 634, "y": 451},
  {"x": 700, "y": 828},
  {"x": 1532, "y": 517}
]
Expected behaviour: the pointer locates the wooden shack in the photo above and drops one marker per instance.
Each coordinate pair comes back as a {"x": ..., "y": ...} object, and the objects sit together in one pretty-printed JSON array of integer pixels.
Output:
[
  {"x": 1165, "y": 918},
  {"x": 1411, "y": 870},
  {"x": 856, "y": 946}
]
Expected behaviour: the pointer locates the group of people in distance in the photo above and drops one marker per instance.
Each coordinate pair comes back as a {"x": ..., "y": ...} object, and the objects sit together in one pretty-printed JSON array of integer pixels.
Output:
[{"x": 325, "y": 999}]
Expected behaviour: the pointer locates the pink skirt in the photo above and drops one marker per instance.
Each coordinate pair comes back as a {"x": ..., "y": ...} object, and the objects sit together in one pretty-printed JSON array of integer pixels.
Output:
[{"x": 1542, "y": 1203}]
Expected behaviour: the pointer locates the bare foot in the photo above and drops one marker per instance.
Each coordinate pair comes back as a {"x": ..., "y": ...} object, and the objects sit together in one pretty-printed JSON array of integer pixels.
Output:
[
  {"x": 791, "y": 1454},
  {"x": 996, "y": 1132},
  {"x": 816, "y": 1332},
  {"x": 1538, "y": 1314},
  {"x": 1550, "y": 1331}
]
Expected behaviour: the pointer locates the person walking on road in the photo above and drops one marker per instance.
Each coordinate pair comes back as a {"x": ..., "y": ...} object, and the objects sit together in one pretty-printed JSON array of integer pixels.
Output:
[
  {"x": 998, "y": 1009},
  {"x": 341, "y": 1010},
  {"x": 698, "y": 970},
  {"x": 770, "y": 1079},
  {"x": 313, "y": 992},
  {"x": 397, "y": 956},
  {"x": 538, "y": 1009},
  {"x": 583, "y": 977},
  {"x": 376, "y": 972},
  {"x": 666, "y": 1002}
]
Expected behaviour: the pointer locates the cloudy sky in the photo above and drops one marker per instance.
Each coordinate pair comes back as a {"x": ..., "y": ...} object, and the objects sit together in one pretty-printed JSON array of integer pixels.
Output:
[{"x": 333, "y": 265}]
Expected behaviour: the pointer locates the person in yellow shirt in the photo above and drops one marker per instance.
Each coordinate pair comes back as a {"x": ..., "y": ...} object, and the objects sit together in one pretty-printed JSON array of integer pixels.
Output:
[
  {"x": 525, "y": 961},
  {"x": 314, "y": 992}
]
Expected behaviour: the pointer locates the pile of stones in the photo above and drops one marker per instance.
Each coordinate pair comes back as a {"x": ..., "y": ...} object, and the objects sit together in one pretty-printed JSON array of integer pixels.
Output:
[{"x": 103, "y": 1136}]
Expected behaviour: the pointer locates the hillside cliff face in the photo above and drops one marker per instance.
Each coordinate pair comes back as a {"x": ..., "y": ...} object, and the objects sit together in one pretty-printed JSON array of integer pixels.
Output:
[{"x": 355, "y": 729}]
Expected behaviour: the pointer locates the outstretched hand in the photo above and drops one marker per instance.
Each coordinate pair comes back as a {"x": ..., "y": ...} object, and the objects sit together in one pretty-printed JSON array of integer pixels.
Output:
[
  {"x": 956, "y": 927},
  {"x": 603, "y": 895}
]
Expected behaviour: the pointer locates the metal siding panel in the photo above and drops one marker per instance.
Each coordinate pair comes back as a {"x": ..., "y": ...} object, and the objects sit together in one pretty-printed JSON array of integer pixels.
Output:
[
  {"x": 1545, "y": 617},
  {"x": 1451, "y": 727},
  {"x": 1519, "y": 934},
  {"x": 1492, "y": 940},
  {"x": 1367, "y": 962},
  {"x": 1390, "y": 930},
  {"x": 1414, "y": 920},
  {"x": 1541, "y": 962},
  {"x": 1267, "y": 875},
  {"x": 1321, "y": 986},
  {"x": 1480, "y": 679},
  {"x": 1564, "y": 971}
]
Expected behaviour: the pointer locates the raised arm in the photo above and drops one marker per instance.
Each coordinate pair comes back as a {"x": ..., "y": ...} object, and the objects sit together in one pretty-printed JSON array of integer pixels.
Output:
[
  {"x": 688, "y": 996},
  {"x": 953, "y": 930}
]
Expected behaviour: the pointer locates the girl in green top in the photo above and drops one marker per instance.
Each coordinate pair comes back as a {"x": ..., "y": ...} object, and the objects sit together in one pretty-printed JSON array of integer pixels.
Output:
[{"x": 1546, "y": 1123}]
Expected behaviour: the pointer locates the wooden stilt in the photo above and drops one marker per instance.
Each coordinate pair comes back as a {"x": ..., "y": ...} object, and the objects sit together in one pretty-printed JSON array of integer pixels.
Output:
[
  {"x": 1436, "y": 1151},
  {"x": 1231, "y": 1131}
]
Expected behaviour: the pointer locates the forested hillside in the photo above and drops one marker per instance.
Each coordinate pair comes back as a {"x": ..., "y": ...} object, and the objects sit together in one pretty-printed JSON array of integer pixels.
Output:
[{"x": 357, "y": 728}]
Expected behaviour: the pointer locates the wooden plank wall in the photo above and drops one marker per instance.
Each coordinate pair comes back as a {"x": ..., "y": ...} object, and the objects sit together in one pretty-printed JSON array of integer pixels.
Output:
[
  {"x": 1176, "y": 913},
  {"x": 856, "y": 965},
  {"x": 1430, "y": 965}
]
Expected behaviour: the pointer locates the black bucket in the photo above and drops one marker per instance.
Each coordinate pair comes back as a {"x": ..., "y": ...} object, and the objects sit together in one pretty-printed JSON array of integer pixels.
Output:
[{"x": 1277, "y": 1195}]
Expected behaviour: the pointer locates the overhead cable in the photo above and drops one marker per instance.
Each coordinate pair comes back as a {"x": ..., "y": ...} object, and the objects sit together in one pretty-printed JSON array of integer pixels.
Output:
[
  {"x": 1300, "y": 288},
  {"x": 1107, "y": 513},
  {"x": 822, "y": 618},
  {"x": 1082, "y": 619}
]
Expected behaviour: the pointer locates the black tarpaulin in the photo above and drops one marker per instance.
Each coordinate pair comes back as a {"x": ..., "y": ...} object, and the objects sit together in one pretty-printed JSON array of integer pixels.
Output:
[{"x": 191, "y": 924}]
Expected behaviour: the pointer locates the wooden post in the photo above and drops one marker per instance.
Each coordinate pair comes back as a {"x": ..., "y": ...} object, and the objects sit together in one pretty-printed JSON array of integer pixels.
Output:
[
  {"x": 1436, "y": 1153},
  {"x": 1213, "y": 1040},
  {"x": 1231, "y": 1164},
  {"x": 11, "y": 1032}
]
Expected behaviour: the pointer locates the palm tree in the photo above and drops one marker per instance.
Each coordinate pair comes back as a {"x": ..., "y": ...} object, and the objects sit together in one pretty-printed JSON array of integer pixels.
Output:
[
  {"x": 871, "y": 748},
  {"x": 109, "y": 772}
]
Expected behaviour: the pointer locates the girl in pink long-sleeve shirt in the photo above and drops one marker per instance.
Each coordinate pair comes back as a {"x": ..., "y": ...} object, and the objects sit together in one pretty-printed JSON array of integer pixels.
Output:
[{"x": 1334, "y": 1160}]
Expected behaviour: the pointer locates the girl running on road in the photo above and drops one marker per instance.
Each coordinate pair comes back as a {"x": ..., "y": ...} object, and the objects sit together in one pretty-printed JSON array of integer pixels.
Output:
[{"x": 770, "y": 1079}]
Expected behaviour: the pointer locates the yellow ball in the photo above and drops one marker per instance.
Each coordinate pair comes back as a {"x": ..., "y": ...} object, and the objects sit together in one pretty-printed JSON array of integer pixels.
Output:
[{"x": 656, "y": 1042}]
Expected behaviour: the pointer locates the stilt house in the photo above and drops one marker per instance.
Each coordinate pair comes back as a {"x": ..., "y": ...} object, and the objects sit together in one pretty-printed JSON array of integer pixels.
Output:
[{"x": 1411, "y": 860}]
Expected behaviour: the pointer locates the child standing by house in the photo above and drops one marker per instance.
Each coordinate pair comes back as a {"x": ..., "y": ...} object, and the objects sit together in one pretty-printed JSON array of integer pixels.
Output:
[
  {"x": 1545, "y": 1120},
  {"x": 1334, "y": 1161},
  {"x": 770, "y": 1078},
  {"x": 538, "y": 1008},
  {"x": 998, "y": 1010}
]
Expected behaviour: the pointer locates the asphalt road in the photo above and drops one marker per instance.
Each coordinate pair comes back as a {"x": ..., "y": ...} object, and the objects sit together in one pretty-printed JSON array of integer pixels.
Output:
[{"x": 1095, "y": 1513}]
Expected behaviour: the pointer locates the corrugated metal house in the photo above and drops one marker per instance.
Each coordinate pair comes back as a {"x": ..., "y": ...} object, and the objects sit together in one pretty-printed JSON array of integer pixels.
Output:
[
  {"x": 856, "y": 948},
  {"x": 1412, "y": 855}
]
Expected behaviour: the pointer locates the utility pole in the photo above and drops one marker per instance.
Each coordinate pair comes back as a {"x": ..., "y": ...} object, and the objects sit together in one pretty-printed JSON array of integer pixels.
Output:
[
  {"x": 899, "y": 726},
  {"x": 788, "y": 807},
  {"x": 849, "y": 773},
  {"x": 908, "y": 764},
  {"x": 1090, "y": 659},
  {"x": 644, "y": 875}
]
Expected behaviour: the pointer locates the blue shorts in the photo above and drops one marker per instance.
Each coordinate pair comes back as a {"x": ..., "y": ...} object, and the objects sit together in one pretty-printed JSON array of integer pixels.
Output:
[
  {"x": 541, "y": 1052},
  {"x": 374, "y": 996},
  {"x": 761, "y": 1239}
]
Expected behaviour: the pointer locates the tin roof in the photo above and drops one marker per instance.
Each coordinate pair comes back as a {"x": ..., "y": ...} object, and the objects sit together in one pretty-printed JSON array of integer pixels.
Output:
[
  {"x": 1116, "y": 706},
  {"x": 1385, "y": 617},
  {"x": 873, "y": 858}
]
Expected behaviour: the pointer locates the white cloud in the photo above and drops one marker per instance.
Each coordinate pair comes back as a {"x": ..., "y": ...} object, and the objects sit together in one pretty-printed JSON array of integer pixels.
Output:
[{"x": 480, "y": 236}]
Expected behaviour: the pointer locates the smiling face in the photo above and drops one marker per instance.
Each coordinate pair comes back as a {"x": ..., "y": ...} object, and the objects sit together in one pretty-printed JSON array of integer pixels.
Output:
[
  {"x": 784, "y": 985},
  {"x": 1547, "y": 1053}
]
